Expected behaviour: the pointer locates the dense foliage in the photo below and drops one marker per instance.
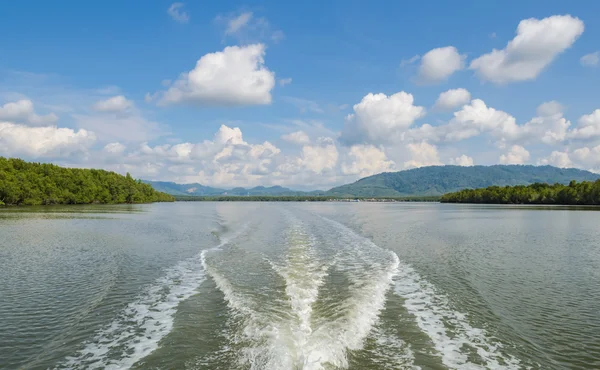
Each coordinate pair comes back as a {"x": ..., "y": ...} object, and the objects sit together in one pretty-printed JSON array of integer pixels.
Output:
[
  {"x": 583, "y": 193},
  {"x": 297, "y": 198},
  {"x": 438, "y": 180},
  {"x": 25, "y": 183}
]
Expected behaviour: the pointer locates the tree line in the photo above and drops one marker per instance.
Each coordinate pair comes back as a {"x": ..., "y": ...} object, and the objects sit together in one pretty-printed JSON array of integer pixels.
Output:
[
  {"x": 576, "y": 193},
  {"x": 27, "y": 183}
]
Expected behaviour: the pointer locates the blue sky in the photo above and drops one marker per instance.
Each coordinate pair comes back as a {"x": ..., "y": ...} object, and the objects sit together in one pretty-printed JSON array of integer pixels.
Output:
[{"x": 306, "y": 94}]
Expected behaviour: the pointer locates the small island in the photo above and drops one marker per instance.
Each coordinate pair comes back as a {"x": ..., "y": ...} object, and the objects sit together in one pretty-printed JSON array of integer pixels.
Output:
[
  {"x": 575, "y": 193},
  {"x": 26, "y": 183}
]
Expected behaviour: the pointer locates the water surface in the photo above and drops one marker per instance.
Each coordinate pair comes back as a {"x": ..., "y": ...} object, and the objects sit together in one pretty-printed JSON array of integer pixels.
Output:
[{"x": 299, "y": 286}]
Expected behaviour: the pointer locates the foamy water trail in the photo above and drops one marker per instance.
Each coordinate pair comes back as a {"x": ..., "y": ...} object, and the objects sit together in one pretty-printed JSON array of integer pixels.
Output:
[
  {"x": 143, "y": 323},
  {"x": 431, "y": 310},
  {"x": 303, "y": 276},
  {"x": 296, "y": 339},
  {"x": 138, "y": 329}
]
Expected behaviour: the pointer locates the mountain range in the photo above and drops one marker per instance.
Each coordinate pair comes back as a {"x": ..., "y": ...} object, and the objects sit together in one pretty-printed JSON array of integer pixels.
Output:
[{"x": 423, "y": 181}]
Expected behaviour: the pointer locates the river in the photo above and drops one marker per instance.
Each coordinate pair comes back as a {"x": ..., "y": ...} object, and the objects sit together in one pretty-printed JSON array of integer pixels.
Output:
[{"x": 234, "y": 285}]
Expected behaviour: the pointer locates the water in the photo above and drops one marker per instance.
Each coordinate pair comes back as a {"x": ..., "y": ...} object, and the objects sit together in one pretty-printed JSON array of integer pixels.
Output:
[{"x": 299, "y": 286}]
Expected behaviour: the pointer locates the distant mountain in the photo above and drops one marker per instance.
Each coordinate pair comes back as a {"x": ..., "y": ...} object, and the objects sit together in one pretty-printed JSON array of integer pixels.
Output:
[
  {"x": 184, "y": 189},
  {"x": 201, "y": 190},
  {"x": 424, "y": 181},
  {"x": 438, "y": 180}
]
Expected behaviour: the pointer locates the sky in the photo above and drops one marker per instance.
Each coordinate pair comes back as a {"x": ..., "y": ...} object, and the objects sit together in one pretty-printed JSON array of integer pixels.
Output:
[{"x": 307, "y": 95}]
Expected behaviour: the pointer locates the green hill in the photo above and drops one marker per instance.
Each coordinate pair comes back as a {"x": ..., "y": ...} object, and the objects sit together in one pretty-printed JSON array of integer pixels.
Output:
[
  {"x": 26, "y": 183},
  {"x": 438, "y": 180}
]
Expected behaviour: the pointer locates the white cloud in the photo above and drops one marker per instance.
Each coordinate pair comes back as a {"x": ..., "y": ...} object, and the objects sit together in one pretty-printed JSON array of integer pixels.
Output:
[
  {"x": 463, "y": 160},
  {"x": 247, "y": 28},
  {"x": 237, "y": 23},
  {"x": 557, "y": 159},
  {"x": 285, "y": 81},
  {"x": 536, "y": 45},
  {"x": 177, "y": 13},
  {"x": 114, "y": 126},
  {"x": 590, "y": 60},
  {"x": 588, "y": 157},
  {"x": 406, "y": 62},
  {"x": 588, "y": 127},
  {"x": 453, "y": 98},
  {"x": 366, "y": 160},
  {"x": 235, "y": 76},
  {"x": 439, "y": 64},
  {"x": 115, "y": 104},
  {"x": 516, "y": 155},
  {"x": 298, "y": 137},
  {"x": 51, "y": 141},
  {"x": 477, "y": 118},
  {"x": 320, "y": 157},
  {"x": 379, "y": 118},
  {"x": 22, "y": 111},
  {"x": 114, "y": 148},
  {"x": 422, "y": 154}
]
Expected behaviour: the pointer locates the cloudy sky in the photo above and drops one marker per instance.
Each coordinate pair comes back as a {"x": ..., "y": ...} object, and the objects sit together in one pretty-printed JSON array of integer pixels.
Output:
[{"x": 305, "y": 94}]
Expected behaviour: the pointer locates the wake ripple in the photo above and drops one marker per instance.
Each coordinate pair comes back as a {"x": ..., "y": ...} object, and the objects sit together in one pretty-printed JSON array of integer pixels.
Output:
[
  {"x": 295, "y": 339},
  {"x": 138, "y": 329},
  {"x": 432, "y": 312}
]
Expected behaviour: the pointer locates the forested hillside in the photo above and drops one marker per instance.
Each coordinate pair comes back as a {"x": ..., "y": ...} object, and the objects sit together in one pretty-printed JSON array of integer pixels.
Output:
[
  {"x": 25, "y": 183},
  {"x": 583, "y": 193},
  {"x": 438, "y": 180}
]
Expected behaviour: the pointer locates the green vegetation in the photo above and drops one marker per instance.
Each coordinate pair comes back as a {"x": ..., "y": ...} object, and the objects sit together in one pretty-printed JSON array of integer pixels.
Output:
[
  {"x": 25, "y": 183},
  {"x": 438, "y": 180},
  {"x": 583, "y": 193},
  {"x": 298, "y": 198}
]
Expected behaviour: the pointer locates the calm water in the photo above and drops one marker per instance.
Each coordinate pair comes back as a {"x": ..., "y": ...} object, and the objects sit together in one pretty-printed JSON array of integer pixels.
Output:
[{"x": 299, "y": 286}]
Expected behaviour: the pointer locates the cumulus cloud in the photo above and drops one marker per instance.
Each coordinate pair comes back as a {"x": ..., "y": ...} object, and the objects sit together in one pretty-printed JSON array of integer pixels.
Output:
[
  {"x": 588, "y": 157},
  {"x": 235, "y": 76},
  {"x": 114, "y": 148},
  {"x": 516, "y": 155},
  {"x": 177, "y": 13},
  {"x": 557, "y": 159},
  {"x": 588, "y": 127},
  {"x": 115, "y": 104},
  {"x": 379, "y": 118},
  {"x": 439, "y": 64},
  {"x": 536, "y": 45},
  {"x": 320, "y": 157},
  {"x": 453, "y": 98},
  {"x": 463, "y": 160},
  {"x": 22, "y": 111},
  {"x": 590, "y": 60},
  {"x": 422, "y": 154},
  {"x": 477, "y": 118},
  {"x": 366, "y": 160},
  {"x": 298, "y": 137},
  {"x": 37, "y": 142}
]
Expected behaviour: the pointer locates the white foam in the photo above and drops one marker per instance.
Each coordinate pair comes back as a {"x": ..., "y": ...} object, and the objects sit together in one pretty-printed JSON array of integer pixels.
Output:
[
  {"x": 143, "y": 323},
  {"x": 138, "y": 329},
  {"x": 431, "y": 309},
  {"x": 296, "y": 340}
]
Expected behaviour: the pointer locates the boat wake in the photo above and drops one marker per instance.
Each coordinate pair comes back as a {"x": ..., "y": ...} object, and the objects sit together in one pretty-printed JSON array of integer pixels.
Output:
[{"x": 140, "y": 326}]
